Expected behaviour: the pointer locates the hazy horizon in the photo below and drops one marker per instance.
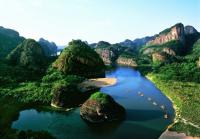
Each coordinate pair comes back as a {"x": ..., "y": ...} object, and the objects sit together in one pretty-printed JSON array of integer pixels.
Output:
[{"x": 93, "y": 20}]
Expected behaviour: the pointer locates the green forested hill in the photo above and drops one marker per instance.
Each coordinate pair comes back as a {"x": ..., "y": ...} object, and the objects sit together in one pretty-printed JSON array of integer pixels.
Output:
[
  {"x": 9, "y": 39},
  {"x": 28, "y": 54},
  {"x": 79, "y": 59}
]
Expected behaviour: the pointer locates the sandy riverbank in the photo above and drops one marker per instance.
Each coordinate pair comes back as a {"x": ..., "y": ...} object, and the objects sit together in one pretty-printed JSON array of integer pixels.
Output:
[
  {"x": 174, "y": 135},
  {"x": 96, "y": 83}
]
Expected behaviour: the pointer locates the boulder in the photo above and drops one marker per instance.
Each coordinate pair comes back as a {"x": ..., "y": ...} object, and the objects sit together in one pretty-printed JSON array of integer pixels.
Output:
[{"x": 100, "y": 108}]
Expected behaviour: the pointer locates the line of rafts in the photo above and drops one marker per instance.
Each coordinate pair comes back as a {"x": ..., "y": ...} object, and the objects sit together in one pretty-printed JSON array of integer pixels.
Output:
[{"x": 162, "y": 107}]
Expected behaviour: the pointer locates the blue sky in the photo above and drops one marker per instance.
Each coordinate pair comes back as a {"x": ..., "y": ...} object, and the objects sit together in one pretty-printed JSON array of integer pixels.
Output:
[{"x": 94, "y": 20}]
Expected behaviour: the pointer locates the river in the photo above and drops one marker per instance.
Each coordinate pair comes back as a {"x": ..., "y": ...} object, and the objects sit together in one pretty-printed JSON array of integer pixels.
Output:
[{"x": 148, "y": 113}]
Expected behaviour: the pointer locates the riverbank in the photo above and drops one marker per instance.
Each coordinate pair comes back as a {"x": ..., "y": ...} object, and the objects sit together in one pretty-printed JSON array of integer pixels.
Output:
[
  {"x": 185, "y": 97},
  {"x": 91, "y": 84}
]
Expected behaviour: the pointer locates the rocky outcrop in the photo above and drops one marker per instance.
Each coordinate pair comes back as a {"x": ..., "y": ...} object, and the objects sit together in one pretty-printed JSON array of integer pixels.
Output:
[
  {"x": 101, "y": 108},
  {"x": 176, "y": 32},
  {"x": 79, "y": 59},
  {"x": 169, "y": 51},
  {"x": 67, "y": 95},
  {"x": 107, "y": 54},
  {"x": 190, "y": 30},
  {"x": 126, "y": 61},
  {"x": 158, "y": 57}
]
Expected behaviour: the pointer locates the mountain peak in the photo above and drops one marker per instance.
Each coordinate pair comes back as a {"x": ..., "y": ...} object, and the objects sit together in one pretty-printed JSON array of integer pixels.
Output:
[
  {"x": 176, "y": 32},
  {"x": 190, "y": 30}
]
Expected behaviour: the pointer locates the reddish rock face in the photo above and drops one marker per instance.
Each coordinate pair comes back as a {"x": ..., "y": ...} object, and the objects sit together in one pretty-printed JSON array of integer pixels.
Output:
[
  {"x": 158, "y": 57},
  {"x": 126, "y": 61},
  {"x": 169, "y": 51},
  {"x": 175, "y": 33},
  {"x": 107, "y": 55}
]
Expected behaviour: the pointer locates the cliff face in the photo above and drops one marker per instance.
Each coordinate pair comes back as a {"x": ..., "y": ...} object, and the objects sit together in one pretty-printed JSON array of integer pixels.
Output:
[
  {"x": 176, "y": 32},
  {"x": 158, "y": 57},
  {"x": 169, "y": 51},
  {"x": 107, "y": 54},
  {"x": 101, "y": 108},
  {"x": 190, "y": 30},
  {"x": 126, "y": 61}
]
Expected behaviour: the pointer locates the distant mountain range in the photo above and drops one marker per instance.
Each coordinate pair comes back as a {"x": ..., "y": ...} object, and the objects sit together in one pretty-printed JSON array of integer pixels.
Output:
[{"x": 10, "y": 39}]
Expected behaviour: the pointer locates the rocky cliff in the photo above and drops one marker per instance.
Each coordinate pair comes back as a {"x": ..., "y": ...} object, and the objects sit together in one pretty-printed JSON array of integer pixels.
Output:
[
  {"x": 107, "y": 54},
  {"x": 128, "y": 61},
  {"x": 190, "y": 30},
  {"x": 158, "y": 57},
  {"x": 101, "y": 108},
  {"x": 176, "y": 32}
]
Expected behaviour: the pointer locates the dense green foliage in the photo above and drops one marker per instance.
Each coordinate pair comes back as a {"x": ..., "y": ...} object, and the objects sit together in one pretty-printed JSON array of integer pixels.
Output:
[
  {"x": 100, "y": 97},
  {"x": 188, "y": 72},
  {"x": 185, "y": 96},
  {"x": 79, "y": 59},
  {"x": 9, "y": 39},
  {"x": 28, "y": 54}
]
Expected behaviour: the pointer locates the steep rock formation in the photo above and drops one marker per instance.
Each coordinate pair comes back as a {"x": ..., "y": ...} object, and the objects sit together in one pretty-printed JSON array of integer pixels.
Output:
[
  {"x": 101, "y": 108},
  {"x": 176, "y": 32},
  {"x": 190, "y": 30},
  {"x": 28, "y": 54},
  {"x": 169, "y": 51},
  {"x": 79, "y": 59},
  {"x": 158, "y": 57},
  {"x": 107, "y": 54},
  {"x": 126, "y": 61}
]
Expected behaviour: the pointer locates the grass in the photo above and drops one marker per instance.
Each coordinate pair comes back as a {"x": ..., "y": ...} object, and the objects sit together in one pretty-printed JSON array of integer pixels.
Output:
[
  {"x": 185, "y": 97},
  {"x": 101, "y": 97}
]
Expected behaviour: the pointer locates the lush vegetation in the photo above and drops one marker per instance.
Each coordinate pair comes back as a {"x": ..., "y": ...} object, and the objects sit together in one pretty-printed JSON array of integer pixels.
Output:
[
  {"x": 185, "y": 96},
  {"x": 28, "y": 54},
  {"x": 9, "y": 39},
  {"x": 79, "y": 59},
  {"x": 100, "y": 97}
]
